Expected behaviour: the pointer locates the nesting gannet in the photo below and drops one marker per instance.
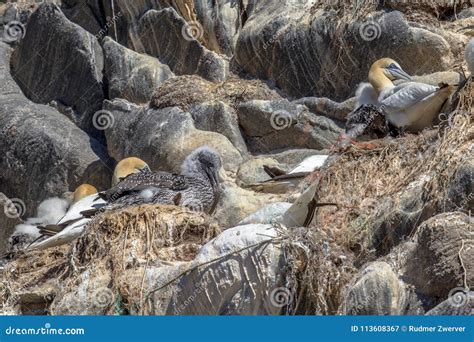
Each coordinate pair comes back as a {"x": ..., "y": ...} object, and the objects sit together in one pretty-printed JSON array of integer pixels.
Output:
[
  {"x": 49, "y": 211},
  {"x": 196, "y": 187},
  {"x": 128, "y": 166},
  {"x": 410, "y": 105},
  {"x": 71, "y": 225}
]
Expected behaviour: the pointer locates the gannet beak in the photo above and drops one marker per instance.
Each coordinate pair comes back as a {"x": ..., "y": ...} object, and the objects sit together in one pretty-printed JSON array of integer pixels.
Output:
[{"x": 399, "y": 74}]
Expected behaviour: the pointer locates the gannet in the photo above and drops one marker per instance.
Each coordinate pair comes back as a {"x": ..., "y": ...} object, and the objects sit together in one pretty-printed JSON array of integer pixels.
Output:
[
  {"x": 410, "y": 105},
  {"x": 197, "y": 186},
  {"x": 128, "y": 166},
  {"x": 72, "y": 224}
]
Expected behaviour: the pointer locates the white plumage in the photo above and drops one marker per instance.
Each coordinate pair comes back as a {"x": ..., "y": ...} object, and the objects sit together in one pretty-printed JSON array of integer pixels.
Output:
[
  {"x": 73, "y": 223},
  {"x": 310, "y": 164}
]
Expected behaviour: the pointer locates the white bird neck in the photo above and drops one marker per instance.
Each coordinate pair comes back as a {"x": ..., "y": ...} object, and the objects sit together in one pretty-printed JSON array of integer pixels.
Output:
[{"x": 379, "y": 81}]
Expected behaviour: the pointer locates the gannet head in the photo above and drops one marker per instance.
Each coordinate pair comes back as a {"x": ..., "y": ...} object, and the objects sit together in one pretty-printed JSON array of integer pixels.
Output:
[
  {"x": 128, "y": 166},
  {"x": 390, "y": 68},
  {"x": 204, "y": 161},
  {"x": 83, "y": 191}
]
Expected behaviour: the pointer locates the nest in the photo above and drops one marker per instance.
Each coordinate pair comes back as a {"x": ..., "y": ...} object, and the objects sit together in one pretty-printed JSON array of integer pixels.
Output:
[
  {"x": 325, "y": 256},
  {"x": 114, "y": 245}
]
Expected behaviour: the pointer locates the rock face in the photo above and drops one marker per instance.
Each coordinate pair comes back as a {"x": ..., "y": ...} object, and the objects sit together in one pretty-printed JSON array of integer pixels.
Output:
[
  {"x": 378, "y": 291},
  {"x": 43, "y": 153},
  {"x": 161, "y": 137},
  {"x": 130, "y": 75},
  {"x": 220, "y": 118},
  {"x": 435, "y": 266},
  {"x": 274, "y": 42},
  {"x": 181, "y": 52},
  {"x": 48, "y": 74},
  {"x": 273, "y": 125},
  {"x": 7, "y": 221},
  {"x": 247, "y": 279}
]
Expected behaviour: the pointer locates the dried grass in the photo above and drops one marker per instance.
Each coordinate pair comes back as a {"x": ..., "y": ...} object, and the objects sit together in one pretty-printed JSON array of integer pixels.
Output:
[{"x": 114, "y": 243}]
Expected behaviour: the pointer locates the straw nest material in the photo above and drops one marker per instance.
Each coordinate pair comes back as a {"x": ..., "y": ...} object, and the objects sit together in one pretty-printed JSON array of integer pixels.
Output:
[
  {"x": 114, "y": 244},
  {"x": 325, "y": 256}
]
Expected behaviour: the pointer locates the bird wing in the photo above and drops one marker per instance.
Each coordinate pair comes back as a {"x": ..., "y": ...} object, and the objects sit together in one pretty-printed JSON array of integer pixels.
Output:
[
  {"x": 148, "y": 180},
  {"x": 405, "y": 95}
]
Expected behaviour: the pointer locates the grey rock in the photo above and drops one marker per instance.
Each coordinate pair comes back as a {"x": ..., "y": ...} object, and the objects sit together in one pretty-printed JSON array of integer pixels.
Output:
[
  {"x": 85, "y": 13},
  {"x": 328, "y": 108},
  {"x": 244, "y": 281},
  {"x": 378, "y": 291},
  {"x": 162, "y": 36},
  {"x": 460, "y": 195},
  {"x": 252, "y": 170},
  {"x": 460, "y": 303},
  {"x": 161, "y": 137},
  {"x": 7, "y": 222},
  {"x": 435, "y": 267},
  {"x": 273, "y": 125},
  {"x": 267, "y": 214},
  {"x": 276, "y": 42},
  {"x": 47, "y": 62},
  {"x": 220, "y": 118},
  {"x": 132, "y": 76},
  {"x": 43, "y": 153}
]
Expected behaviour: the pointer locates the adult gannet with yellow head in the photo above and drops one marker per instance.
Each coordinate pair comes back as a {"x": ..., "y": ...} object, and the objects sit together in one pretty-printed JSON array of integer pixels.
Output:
[
  {"x": 128, "y": 166},
  {"x": 410, "y": 105},
  {"x": 85, "y": 198}
]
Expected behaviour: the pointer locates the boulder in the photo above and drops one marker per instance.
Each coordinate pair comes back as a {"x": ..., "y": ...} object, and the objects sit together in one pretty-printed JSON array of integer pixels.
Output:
[
  {"x": 267, "y": 214},
  {"x": 274, "y": 43},
  {"x": 9, "y": 218},
  {"x": 252, "y": 170},
  {"x": 161, "y": 137},
  {"x": 237, "y": 273},
  {"x": 130, "y": 75},
  {"x": 43, "y": 153},
  {"x": 328, "y": 108},
  {"x": 220, "y": 118},
  {"x": 378, "y": 291},
  {"x": 47, "y": 62},
  {"x": 235, "y": 204},
  {"x": 273, "y": 125},
  {"x": 164, "y": 35},
  {"x": 442, "y": 260},
  {"x": 459, "y": 303}
]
